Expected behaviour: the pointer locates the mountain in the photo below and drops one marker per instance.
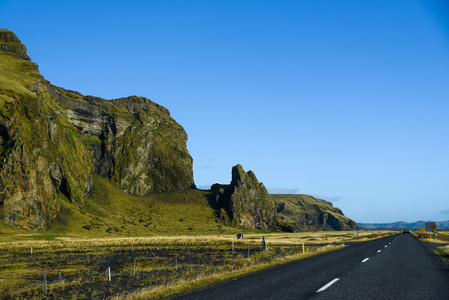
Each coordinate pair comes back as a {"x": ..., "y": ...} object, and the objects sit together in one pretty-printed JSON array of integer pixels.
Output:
[
  {"x": 76, "y": 163},
  {"x": 54, "y": 140},
  {"x": 306, "y": 213},
  {"x": 401, "y": 224}
]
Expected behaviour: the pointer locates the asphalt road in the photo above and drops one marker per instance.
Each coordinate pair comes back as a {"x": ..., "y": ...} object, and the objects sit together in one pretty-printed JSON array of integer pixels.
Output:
[{"x": 395, "y": 267}]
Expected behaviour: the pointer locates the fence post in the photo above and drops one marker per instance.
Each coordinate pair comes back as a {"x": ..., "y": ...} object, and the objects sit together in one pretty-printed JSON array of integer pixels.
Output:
[
  {"x": 60, "y": 279},
  {"x": 31, "y": 250},
  {"x": 264, "y": 243},
  {"x": 134, "y": 273},
  {"x": 45, "y": 282},
  {"x": 109, "y": 273}
]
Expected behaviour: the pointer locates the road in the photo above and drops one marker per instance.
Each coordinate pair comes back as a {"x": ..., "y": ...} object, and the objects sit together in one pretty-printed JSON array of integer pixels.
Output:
[{"x": 394, "y": 267}]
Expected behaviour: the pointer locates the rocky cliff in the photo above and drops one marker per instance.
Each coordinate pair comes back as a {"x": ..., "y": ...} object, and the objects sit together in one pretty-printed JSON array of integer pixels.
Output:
[
  {"x": 53, "y": 140},
  {"x": 308, "y": 213},
  {"x": 245, "y": 201}
]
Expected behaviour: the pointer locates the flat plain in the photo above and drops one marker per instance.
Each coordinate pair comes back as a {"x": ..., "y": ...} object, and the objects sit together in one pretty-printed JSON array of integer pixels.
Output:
[{"x": 146, "y": 267}]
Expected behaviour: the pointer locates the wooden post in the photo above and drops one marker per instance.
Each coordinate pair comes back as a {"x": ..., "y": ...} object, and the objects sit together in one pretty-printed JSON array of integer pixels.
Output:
[
  {"x": 31, "y": 250},
  {"x": 109, "y": 273},
  {"x": 45, "y": 282},
  {"x": 264, "y": 243},
  {"x": 60, "y": 279}
]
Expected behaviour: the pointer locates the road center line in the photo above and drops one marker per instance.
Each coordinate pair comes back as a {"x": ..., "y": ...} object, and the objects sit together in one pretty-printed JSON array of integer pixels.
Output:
[
  {"x": 327, "y": 285},
  {"x": 365, "y": 260},
  {"x": 378, "y": 251}
]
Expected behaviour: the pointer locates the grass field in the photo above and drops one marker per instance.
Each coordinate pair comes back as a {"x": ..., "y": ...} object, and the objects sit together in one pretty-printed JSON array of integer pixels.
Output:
[{"x": 144, "y": 267}]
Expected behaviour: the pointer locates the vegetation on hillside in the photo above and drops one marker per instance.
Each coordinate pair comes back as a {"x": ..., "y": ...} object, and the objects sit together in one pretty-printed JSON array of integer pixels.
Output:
[{"x": 306, "y": 213}]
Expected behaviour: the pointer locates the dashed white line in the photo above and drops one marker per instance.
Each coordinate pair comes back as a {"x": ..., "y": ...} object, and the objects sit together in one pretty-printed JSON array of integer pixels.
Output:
[
  {"x": 365, "y": 260},
  {"x": 386, "y": 246},
  {"x": 327, "y": 285},
  {"x": 378, "y": 251}
]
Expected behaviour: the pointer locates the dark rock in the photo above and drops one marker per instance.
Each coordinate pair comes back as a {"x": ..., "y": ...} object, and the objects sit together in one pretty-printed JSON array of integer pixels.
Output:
[{"x": 245, "y": 200}]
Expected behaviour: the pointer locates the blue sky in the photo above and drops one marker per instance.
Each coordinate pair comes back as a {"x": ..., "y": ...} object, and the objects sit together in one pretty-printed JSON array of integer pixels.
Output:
[{"x": 344, "y": 100}]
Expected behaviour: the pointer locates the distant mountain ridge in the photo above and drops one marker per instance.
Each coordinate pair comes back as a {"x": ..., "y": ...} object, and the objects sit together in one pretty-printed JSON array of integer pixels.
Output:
[{"x": 402, "y": 224}]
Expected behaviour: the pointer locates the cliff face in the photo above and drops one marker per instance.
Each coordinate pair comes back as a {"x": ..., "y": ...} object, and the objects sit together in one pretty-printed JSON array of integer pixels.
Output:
[
  {"x": 53, "y": 140},
  {"x": 244, "y": 201},
  {"x": 307, "y": 213}
]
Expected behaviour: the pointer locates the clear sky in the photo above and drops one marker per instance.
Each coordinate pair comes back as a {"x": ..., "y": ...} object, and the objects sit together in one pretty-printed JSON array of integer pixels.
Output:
[{"x": 344, "y": 100}]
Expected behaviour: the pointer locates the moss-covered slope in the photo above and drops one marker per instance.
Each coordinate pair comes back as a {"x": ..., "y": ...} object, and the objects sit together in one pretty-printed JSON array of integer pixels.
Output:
[
  {"x": 307, "y": 213},
  {"x": 53, "y": 141}
]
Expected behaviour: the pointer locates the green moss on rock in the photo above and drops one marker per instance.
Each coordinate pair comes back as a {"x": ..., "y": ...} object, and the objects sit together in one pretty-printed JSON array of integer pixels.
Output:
[{"x": 53, "y": 140}]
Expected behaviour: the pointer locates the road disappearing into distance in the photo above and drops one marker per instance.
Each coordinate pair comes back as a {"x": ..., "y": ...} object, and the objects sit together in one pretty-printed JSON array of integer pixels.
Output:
[{"x": 394, "y": 267}]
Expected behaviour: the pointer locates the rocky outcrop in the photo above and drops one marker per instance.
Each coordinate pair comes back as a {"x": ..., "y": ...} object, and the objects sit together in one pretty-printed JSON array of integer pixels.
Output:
[
  {"x": 53, "y": 140},
  {"x": 307, "y": 213},
  {"x": 245, "y": 201}
]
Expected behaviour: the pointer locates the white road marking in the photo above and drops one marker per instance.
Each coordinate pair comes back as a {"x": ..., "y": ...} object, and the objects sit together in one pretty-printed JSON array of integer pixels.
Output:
[
  {"x": 327, "y": 285},
  {"x": 378, "y": 251},
  {"x": 386, "y": 246},
  {"x": 366, "y": 259}
]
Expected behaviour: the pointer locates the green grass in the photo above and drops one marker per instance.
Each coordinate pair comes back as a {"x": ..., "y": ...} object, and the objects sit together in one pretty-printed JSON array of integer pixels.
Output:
[
  {"x": 111, "y": 212},
  {"x": 42, "y": 236}
]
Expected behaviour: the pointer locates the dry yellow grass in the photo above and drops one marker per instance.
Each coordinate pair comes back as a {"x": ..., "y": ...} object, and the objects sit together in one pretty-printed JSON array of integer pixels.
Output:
[
  {"x": 183, "y": 285},
  {"x": 212, "y": 260}
]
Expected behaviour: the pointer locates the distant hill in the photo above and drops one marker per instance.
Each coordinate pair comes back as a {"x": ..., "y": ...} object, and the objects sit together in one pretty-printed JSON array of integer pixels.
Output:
[
  {"x": 401, "y": 224},
  {"x": 308, "y": 213}
]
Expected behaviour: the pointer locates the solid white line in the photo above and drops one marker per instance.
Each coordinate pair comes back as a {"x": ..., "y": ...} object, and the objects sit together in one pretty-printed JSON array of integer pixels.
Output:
[
  {"x": 327, "y": 285},
  {"x": 366, "y": 259}
]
